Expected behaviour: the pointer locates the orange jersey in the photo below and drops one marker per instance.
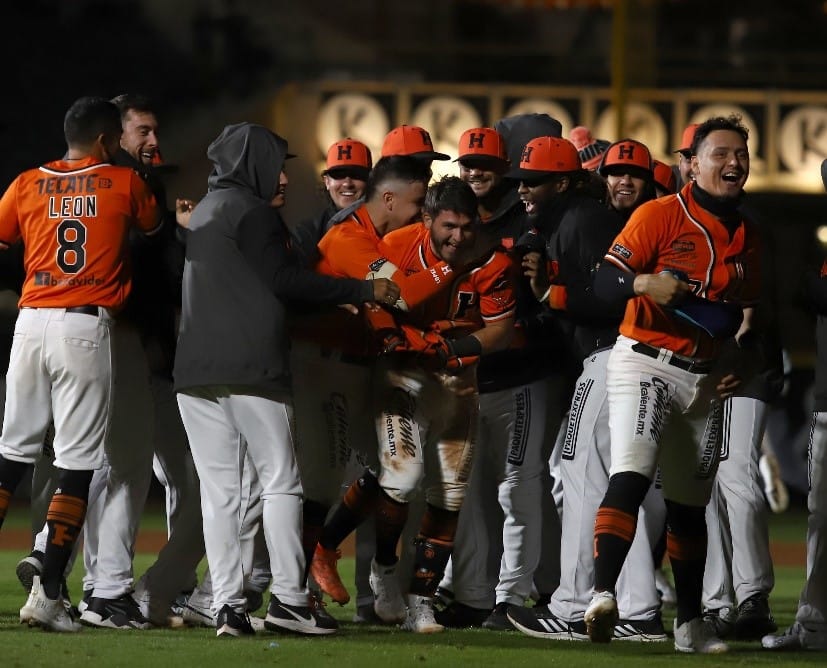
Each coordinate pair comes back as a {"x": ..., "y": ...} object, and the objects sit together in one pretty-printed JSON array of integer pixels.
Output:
[
  {"x": 674, "y": 233},
  {"x": 351, "y": 249},
  {"x": 74, "y": 217},
  {"x": 482, "y": 294}
]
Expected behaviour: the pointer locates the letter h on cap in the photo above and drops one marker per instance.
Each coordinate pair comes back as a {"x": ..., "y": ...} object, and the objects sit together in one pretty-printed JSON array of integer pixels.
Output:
[
  {"x": 526, "y": 156},
  {"x": 345, "y": 152},
  {"x": 475, "y": 139},
  {"x": 626, "y": 150}
]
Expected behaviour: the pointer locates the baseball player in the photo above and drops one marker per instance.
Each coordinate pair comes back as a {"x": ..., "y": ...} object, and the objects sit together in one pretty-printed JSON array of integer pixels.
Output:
[
  {"x": 144, "y": 414},
  {"x": 583, "y": 236},
  {"x": 428, "y": 407},
  {"x": 508, "y": 462},
  {"x": 73, "y": 216},
  {"x": 809, "y": 630},
  {"x": 739, "y": 575},
  {"x": 686, "y": 266},
  {"x": 231, "y": 370},
  {"x": 339, "y": 354}
]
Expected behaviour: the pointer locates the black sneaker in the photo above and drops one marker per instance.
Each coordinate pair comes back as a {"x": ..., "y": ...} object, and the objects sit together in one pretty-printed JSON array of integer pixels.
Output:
[
  {"x": 118, "y": 613},
  {"x": 230, "y": 623},
  {"x": 296, "y": 618},
  {"x": 640, "y": 630},
  {"x": 28, "y": 567},
  {"x": 457, "y": 615},
  {"x": 498, "y": 620},
  {"x": 320, "y": 608},
  {"x": 722, "y": 620},
  {"x": 542, "y": 623},
  {"x": 754, "y": 619}
]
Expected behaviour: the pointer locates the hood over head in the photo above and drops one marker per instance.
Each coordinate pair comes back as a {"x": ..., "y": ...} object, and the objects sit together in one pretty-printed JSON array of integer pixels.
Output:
[{"x": 249, "y": 157}]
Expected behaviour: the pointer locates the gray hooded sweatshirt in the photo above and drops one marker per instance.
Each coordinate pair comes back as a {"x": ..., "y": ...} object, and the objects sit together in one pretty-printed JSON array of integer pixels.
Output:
[{"x": 240, "y": 270}]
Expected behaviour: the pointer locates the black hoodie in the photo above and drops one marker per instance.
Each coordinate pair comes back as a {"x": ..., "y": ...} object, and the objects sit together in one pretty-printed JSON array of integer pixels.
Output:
[{"x": 240, "y": 268}]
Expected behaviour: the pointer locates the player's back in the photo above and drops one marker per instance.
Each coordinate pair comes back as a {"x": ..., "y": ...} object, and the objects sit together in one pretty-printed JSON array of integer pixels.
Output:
[{"x": 74, "y": 217}]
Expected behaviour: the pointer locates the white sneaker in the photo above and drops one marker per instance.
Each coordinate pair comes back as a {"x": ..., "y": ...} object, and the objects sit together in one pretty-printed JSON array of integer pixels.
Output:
[
  {"x": 697, "y": 636},
  {"x": 388, "y": 604},
  {"x": 197, "y": 611},
  {"x": 775, "y": 490},
  {"x": 51, "y": 614},
  {"x": 601, "y": 616},
  {"x": 420, "y": 617}
]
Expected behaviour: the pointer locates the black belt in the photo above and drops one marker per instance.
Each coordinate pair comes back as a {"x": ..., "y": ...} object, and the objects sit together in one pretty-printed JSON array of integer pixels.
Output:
[
  {"x": 85, "y": 310},
  {"x": 692, "y": 366}
]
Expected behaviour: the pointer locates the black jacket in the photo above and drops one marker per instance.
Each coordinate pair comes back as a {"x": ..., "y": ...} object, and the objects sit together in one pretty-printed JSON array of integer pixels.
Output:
[{"x": 240, "y": 269}]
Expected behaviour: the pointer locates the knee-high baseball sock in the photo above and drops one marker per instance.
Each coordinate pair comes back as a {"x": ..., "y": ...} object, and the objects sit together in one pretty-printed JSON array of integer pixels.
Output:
[
  {"x": 64, "y": 518},
  {"x": 11, "y": 473},
  {"x": 313, "y": 517},
  {"x": 433, "y": 549},
  {"x": 686, "y": 545},
  {"x": 357, "y": 505},
  {"x": 614, "y": 526},
  {"x": 390, "y": 521}
]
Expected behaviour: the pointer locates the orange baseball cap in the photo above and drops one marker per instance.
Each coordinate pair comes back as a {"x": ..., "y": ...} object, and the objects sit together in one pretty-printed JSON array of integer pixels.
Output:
[
  {"x": 546, "y": 155},
  {"x": 351, "y": 155},
  {"x": 687, "y": 138},
  {"x": 665, "y": 178},
  {"x": 482, "y": 143},
  {"x": 413, "y": 141},
  {"x": 627, "y": 156},
  {"x": 589, "y": 148}
]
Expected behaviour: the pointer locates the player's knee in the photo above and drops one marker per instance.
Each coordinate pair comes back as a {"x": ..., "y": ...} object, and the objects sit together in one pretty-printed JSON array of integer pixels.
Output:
[
  {"x": 447, "y": 495},
  {"x": 626, "y": 491}
]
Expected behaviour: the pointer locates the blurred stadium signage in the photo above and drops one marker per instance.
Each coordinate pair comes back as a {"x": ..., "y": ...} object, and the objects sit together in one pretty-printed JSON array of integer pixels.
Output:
[{"x": 788, "y": 129}]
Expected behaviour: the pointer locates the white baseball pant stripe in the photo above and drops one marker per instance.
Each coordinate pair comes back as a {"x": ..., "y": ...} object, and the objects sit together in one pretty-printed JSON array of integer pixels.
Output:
[
  {"x": 508, "y": 460},
  {"x": 738, "y": 562},
  {"x": 812, "y": 605},
  {"x": 585, "y": 463}
]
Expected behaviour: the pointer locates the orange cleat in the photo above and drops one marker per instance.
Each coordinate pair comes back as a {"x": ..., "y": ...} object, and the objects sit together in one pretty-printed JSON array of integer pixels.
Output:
[{"x": 324, "y": 571}]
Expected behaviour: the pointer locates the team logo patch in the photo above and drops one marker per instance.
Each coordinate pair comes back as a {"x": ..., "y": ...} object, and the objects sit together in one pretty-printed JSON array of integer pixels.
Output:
[
  {"x": 711, "y": 445},
  {"x": 104, "y": 183},
  {"x": 522, "y": 420},
  {"x": 622, "y": 251},
  {"x": 376, "y": 264},
  {"x": 578, "y": 403},
  {"x": 683, "y": 246}
]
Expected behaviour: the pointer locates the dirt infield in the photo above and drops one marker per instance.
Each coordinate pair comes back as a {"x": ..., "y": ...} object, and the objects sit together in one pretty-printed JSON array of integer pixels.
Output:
[{"x": 783, "y": 553}]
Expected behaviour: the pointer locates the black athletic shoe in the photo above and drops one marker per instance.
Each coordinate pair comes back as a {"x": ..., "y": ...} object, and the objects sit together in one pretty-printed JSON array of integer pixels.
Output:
[
  {"x": 28, "y": 567},
  {"x": 498, "y": 620},
  {"x": 640, "y": 630},
  {"x": 230, "y": 623},
  {"x": 118, "y": 613},
  {"x": 297, "y": 618},
  {"x": 318, "y": 606},
  {"x": 754, "y": 619},
  {"x": 457, "y": 615},
  {"x": 541, "y": 623}
]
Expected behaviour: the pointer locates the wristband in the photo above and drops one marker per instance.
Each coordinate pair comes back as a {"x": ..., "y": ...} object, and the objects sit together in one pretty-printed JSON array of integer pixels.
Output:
[
  {"x": 467, "y": 346},
  {"x": 558, "y": 297}
]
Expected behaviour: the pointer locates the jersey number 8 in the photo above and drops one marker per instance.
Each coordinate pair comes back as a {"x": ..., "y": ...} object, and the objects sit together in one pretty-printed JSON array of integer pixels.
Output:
[{"x": 71, "y": 251}]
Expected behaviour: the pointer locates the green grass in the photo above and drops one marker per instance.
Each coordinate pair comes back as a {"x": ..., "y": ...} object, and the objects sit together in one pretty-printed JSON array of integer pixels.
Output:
[{"x": 356, "y": 645}]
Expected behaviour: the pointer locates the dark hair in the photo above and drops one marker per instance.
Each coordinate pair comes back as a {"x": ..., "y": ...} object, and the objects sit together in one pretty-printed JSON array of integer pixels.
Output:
[
  {"x": 450, "y": 193},
  {"x": 731, "y": 122},
  {"x": 127, "y": 102},
  {"x": 396, "y": 167},
  {"x": 88, "y": 118}
]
